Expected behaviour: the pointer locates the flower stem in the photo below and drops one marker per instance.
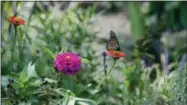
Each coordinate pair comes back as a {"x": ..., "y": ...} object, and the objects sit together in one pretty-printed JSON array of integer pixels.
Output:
[
  {"x": 106, "y": 83},
  {"x": 106, "y": 75},
  {"x": 13, "y": 46}
]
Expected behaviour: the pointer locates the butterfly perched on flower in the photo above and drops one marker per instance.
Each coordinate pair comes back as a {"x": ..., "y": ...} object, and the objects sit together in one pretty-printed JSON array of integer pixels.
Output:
[
  {"x": 113, "y": 48},
  {"x": 113, "y": 43}
]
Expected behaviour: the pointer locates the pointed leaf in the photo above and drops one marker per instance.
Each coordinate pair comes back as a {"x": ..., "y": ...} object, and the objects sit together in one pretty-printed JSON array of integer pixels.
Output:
[
  {"x": 50, "y": 80},
  {"x": 84, "y": 60},
  {"x": 81, "y": 101},
  {"x": 23, "y": 76},
  {"x": 48, "y": 52}
]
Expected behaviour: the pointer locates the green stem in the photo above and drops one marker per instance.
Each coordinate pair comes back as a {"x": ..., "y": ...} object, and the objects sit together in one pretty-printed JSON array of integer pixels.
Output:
[
  {"x": 106, "y": 75},
  {"x": 55, "y": 76},
  {"x": 13, "y": 46},
  {"x": 106, "y": 83},
  {"x": 20, "y": 48}
]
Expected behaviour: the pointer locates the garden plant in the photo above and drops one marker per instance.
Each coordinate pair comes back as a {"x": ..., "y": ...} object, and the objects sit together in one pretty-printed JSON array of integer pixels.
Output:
[{"x": 55, "y": 53}]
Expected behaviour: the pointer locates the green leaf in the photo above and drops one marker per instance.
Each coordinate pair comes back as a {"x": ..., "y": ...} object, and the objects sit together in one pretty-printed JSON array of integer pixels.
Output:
[
  {"x": 14, "y": 75},
  {"x": 84, "y": 60},
  {"x": 93, "y": 92},
  {"x": 80, "y": 101},
  {"x": 50, "y": 80},
  {"x": 17, "y": 85},
  {"x": 23, "y": 76},
  {"x": 48, "y": 52},
  {"x": 27, "y": 72},
  {"x": 52, "y": 69},
  {"x": 61, "y": 92},
  {"x": 34, "y": 82},
  {"x": 28, "y": 38}
]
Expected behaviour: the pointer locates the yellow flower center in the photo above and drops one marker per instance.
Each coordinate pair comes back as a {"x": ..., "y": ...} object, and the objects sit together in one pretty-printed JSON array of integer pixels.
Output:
[
  {"x": 17, "y": 19},
  {"x": 67, "y": 57}
]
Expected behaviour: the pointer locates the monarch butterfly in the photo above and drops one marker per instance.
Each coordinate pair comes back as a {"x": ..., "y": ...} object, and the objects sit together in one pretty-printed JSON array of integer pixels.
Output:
[
  {"x": 113, "y": 43},
  {"x": 113, "y": 48}
]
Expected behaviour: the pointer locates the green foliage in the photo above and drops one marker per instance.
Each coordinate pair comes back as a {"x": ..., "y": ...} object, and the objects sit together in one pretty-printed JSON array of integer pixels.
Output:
[
  {"x": 137, "y": 21},
  {"x": 163, "y": 91},
  {"x": 37, "y": 81},
  {"x": 84, "y": 60},
  {"x": 178, "y": 86},
  {"x": 150, "y": 21},
  {"x": 169, "y": 15},
  {"x": 28, "y": 51}
]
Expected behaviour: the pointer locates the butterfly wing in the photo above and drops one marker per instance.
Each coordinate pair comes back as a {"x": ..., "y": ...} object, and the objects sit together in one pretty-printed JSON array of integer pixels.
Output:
[{"x": 113, "y": 43}]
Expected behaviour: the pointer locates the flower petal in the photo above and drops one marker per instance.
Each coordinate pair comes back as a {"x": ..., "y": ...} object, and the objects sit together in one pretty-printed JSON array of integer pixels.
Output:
[{"x": 116, "y": 54}]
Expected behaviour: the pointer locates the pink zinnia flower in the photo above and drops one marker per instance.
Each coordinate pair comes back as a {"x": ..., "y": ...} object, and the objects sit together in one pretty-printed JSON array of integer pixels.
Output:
[{"x": 69, "y": 63}]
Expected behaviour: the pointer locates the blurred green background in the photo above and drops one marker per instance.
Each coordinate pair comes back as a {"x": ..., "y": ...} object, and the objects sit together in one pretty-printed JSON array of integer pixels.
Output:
[{"x": 152, "y": 34}]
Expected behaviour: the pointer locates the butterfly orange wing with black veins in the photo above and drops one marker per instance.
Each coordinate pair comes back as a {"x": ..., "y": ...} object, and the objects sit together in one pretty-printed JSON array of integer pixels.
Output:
[{"x": 113, "y": 43}]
